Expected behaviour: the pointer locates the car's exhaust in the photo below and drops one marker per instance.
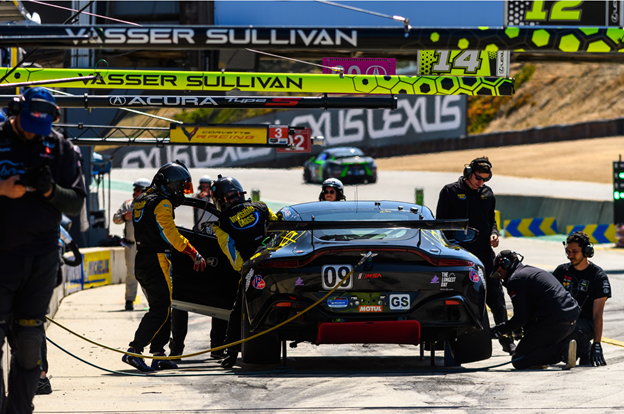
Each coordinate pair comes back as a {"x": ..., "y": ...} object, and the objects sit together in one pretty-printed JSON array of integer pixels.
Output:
[{"x": 379, "y": 332}]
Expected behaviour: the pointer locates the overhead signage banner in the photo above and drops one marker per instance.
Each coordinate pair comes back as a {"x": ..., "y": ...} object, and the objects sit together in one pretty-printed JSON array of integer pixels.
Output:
[
  {"x": 360, "y": 66},
  {"x": 563, "y": 13},
  {"x": 463, "y": 63},
  {"x": 601, "y": 39},
  {"x": 193, "y": 134},
  {"x": 270, "y": 82},
  {"x": 416, "y": 120}
]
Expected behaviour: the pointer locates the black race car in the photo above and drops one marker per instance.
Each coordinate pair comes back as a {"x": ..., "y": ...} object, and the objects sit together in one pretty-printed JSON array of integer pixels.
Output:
[
  {"x": 348, "y": 164},
  {"x": 409, "y": 283}
]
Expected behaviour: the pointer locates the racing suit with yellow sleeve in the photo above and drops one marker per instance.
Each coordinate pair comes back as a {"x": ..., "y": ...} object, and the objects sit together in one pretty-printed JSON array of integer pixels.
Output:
[
  {"x": 156, "y": 234},
  {"x": 240, "y": 230}
]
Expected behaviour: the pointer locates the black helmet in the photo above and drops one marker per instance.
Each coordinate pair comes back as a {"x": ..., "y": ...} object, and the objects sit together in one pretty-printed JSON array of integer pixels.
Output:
[
  {"x": 173, "y": 180},
  {"x": 226, "y": 192},
  {"x": 334, "y": 183}
]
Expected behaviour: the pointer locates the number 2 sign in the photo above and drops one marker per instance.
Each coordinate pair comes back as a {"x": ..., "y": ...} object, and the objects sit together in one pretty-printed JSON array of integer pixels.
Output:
[{"x": 300, "y": 141}]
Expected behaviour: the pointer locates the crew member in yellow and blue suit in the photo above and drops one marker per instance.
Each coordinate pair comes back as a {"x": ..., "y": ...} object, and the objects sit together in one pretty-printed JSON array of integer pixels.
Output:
[
  {"x": 240, "y": 231},
  {"x": 156, "y": 234}
]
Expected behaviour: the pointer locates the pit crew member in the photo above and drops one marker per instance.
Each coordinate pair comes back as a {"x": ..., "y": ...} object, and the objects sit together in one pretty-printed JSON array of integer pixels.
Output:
[
  {"x": 124, "y": 216},
  {"x": 156, "y": 234},
  {"x": 589, "y": 285},
  {"x": 469, "y": 197},
  {"x": 542, "y": 308},
  {"x": 240, "y": 231},
  {"x": 40, "y": 178}
]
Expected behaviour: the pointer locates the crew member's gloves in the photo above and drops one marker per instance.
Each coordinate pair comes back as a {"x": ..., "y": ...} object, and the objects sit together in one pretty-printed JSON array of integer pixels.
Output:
[
  {"x": 200, "y": 263},
  {"x": 495, "y": 332},
  {"x": 596, "y": 355},
  {"x": 517, "y": 334}
]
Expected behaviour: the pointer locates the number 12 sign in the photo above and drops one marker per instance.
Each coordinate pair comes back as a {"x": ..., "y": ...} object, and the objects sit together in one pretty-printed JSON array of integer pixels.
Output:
[{"x": 300, "y": 141}]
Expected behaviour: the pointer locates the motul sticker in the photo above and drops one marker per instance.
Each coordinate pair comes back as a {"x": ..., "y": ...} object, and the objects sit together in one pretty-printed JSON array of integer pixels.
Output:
[{"x": 370, "y": 308}]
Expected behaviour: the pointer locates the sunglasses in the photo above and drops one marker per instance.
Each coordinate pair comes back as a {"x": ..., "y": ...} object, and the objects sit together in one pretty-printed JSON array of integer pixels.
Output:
[
  {"x": 329, "y": 192},
  {"x": 479, "y": 178}
]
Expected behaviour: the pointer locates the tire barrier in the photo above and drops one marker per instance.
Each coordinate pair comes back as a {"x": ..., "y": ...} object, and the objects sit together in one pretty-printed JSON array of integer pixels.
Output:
[
  {"x": 531, "y": 227},
  {"x": 598, "y": 233}
]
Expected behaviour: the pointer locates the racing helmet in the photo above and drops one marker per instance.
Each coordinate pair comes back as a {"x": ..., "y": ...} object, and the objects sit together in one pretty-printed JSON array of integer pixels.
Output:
[
  {"x": 227, "y": 192},
  {"x": 142, "y": 183},
  {"x": 205, "y": 179},
  {"x": 334, "y": 183},
  {"x": 174, "y": 181}
]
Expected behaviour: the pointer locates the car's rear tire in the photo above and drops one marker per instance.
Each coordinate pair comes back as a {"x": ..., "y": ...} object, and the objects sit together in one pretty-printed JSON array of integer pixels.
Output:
[
  {"x": 263, "y": 350},
  {"x": 474, "y": 346},
  {"x": 306, "y": 176}
]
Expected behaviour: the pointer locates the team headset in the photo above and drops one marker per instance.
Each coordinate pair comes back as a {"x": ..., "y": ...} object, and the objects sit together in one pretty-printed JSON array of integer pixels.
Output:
[
  {"x": 506, "y": 259},
  {"x": 35, "y": 105},
  {"x": 586, "y": 247},
  {"x": 470, "y": 168}
]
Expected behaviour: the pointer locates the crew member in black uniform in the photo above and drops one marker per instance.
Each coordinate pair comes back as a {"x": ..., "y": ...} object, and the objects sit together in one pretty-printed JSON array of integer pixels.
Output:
[
  {"x": 240, "y": 231},
  {"x": 542, "y": 308},
  {"x": 156, "y": 234},
  {"x": 589, "y": 285},
  {"x": 40, "y": 178},
  {"x": 469, "y": 197}
]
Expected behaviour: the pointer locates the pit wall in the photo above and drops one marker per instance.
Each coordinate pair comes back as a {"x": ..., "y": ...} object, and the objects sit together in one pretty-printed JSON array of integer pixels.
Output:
[{"x": 568, "y": 212}]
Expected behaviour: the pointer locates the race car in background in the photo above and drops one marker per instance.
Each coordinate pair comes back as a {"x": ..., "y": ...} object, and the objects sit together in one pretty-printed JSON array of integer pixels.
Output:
[
  {"x": 348, "y": 164},
  {"x": 415, "y": 286}
]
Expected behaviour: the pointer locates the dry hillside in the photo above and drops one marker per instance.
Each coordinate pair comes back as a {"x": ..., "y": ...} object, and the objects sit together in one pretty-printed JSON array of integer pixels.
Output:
[{"x": 564, "y": 93}]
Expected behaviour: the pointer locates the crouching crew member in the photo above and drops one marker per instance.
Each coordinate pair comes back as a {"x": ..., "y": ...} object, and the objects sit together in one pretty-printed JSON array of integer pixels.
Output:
[
  {"x": 542, "y": 308},
  {"x": 589, "y": 285},
  {"x": 156, "y": 234},
  {"x": 40, "y": 178},
  {"x": 240, "y": 231}
]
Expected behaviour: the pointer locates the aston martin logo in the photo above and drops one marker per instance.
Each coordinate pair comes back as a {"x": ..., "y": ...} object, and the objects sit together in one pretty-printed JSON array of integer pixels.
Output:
[
  {"x": 191, "y": 134},
  {"x": 117, "y": 100}
]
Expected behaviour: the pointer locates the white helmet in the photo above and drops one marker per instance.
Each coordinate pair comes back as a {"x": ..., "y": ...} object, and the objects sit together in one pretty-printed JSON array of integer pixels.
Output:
[
  {"x": 142, "y": 183},
  {"x": 334, "y": 183}
]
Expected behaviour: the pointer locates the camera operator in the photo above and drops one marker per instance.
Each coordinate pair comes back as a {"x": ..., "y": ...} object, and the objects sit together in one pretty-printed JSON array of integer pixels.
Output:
[
  {"x": 542, "y": 308},
  {"x": 40, "y": 178}
]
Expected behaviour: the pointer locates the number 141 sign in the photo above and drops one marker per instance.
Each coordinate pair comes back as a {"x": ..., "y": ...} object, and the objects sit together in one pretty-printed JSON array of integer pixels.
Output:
[{"x": 299, "y": 141}]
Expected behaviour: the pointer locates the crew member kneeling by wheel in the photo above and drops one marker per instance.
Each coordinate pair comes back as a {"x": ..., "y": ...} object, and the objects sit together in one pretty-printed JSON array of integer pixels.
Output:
[
  {"x": 156, "y": 233},
  {"x": 240, "y": 231},
  {"x": 543, "y": 308}
]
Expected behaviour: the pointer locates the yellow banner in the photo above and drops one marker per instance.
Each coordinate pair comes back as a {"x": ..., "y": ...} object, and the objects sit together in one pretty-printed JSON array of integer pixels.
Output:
[
  {"x": 97, "y": 269},
  {"x": 218, "y": 134},
  {"x": 268, "y": 82}
]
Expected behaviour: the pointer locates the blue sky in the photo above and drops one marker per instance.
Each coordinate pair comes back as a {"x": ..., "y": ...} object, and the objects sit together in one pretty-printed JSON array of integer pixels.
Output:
[{"x": 311, "y": 13}]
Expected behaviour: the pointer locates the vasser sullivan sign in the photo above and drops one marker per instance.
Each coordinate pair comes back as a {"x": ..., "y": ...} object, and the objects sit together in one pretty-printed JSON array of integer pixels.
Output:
[{"x": 415, "y": 120}]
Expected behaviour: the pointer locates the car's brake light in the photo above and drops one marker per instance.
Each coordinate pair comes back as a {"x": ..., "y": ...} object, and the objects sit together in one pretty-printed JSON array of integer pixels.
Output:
[
  {"x": 280, "y": 263},
  {"x": 283, "y": 304},
  {"x": 451, "y": 302},
  {"x": 454, "y": 262}
]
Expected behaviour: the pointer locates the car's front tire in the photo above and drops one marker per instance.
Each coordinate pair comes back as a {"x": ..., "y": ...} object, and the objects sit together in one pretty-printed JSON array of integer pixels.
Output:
[{"x": 306, "y": 176}]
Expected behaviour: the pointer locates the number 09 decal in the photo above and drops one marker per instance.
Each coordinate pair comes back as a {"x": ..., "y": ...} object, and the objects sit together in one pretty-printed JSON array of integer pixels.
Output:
[{"x": 333, "y": 274}]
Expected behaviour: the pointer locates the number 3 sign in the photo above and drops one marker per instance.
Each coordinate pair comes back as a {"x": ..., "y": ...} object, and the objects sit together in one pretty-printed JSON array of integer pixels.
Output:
[{"x": 300, "y": 141}]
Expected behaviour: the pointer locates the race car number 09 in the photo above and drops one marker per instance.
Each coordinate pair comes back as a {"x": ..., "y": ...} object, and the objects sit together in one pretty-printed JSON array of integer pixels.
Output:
[{"x": 333, "y": 274}]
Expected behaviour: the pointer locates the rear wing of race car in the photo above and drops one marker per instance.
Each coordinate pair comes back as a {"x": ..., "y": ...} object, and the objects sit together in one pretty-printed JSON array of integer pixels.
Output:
[{"x": 455, "y": 224}]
